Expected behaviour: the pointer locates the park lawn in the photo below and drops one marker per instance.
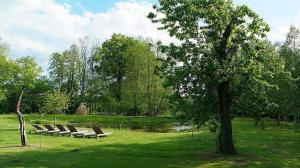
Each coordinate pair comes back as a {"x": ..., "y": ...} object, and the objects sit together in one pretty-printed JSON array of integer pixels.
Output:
[{"x": 276, "y": 146}]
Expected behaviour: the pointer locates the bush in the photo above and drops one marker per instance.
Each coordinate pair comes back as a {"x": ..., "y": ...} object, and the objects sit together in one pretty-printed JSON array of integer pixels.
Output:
[{"x": 212, "y": 126}]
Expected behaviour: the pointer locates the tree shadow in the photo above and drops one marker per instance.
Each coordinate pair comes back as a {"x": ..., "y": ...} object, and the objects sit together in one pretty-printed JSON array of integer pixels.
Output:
[
  {"x": 18, "y": 146},
  {"x": 270, "y": 148}
]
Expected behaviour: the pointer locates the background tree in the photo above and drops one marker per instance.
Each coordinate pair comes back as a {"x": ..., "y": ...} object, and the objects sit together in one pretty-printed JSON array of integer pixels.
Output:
[
  {"x": 83, "y": 47},
  {"x": 56, "y": 102},
  {"x": 290, "y": 52},
  {"x": 26, "y": 71},
  {"x": 113, "y": 65},
  {"x": 58, "y": 70},
  {"x": 127, "y": 66},
  {"x": 65, "y": 72}
]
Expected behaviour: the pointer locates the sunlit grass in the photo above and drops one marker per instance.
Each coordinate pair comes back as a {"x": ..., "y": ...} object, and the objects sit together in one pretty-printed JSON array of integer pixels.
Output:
[{"x": 276, "y": 146}]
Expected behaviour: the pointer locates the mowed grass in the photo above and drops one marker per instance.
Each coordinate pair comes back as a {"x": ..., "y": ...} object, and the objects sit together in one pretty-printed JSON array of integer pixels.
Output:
[{"x": 276, "y": 146}]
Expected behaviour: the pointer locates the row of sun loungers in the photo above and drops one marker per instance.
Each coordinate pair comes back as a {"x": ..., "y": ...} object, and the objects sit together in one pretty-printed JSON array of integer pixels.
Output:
[{"x": 70, "y": 130}]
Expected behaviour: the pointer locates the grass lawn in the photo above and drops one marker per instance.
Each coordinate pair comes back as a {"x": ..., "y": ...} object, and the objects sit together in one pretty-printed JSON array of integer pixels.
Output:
[{"x": 276, "y": 146}]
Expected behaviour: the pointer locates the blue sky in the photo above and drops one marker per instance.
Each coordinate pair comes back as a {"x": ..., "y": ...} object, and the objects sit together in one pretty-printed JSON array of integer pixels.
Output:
[
  {"x": 94, "y": 5},
  {"x": 269, "y": 9},
  {"x": 41, "y": 27}
]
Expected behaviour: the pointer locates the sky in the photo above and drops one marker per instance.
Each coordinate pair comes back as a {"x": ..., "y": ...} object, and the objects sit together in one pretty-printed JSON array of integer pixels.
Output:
[{"x": 40, "y": 27}]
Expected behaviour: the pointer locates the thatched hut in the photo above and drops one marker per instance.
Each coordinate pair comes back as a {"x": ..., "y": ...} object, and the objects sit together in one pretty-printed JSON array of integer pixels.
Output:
[{"x": 81, "y": 110}]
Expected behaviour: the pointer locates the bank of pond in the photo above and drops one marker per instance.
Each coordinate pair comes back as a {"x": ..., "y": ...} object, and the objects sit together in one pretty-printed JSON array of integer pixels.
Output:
[{"x": 137, "y": 123}]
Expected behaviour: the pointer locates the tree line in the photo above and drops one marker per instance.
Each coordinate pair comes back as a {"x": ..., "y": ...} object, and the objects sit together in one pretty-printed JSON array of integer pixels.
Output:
[{"x": 117, "y": 77}]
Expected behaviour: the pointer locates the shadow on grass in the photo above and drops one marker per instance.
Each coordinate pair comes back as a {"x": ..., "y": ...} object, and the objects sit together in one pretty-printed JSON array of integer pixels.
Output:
[
  {"x": 184, "y": 151},
  {"x": 273, "y": 147},
  {"x": 9, "y": 129},
  {"x": 18, "y": 146}
]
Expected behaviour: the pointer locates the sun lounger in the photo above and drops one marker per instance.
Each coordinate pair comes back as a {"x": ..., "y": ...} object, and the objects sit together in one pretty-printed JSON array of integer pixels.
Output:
[
  {"x": 39, "y": 129},
  {"x": 62, "y": 130},
  {"x": 74, "y": 131},
  {"x": 50, "y": 129},
  {"x": 97, "y": 133}
]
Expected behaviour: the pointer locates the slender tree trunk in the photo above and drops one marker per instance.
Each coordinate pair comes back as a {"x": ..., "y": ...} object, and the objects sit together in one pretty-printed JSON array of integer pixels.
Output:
[
  {"x": 135, "y": 94},
  {"x": 278, "y": 119},
  {"x": 119, "y": 81},
  {"x": 161, "y": 102},
  {"x": 225, "y": 138},
  {"x": 21, "y": 121},
  {"x": 295, "y": 122},
  {"x": 148, "y": 84},
  {"x": 119, "y": 97},
  {"x": 154, "y": 98},
  {"x": 83, "y": 75},
  {"x": 82, "y": 91}
]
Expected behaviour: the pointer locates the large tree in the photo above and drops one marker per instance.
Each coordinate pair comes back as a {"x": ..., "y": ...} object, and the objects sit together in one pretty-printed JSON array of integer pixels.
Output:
[
  {"x": 215, "y": 36},
  {"x": 127, "y": 66},
  {"x": 22, "y": 74},
  {"x": 113, "y": 63}
]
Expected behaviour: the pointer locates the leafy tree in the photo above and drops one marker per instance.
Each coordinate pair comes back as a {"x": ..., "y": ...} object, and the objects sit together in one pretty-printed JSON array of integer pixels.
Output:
[
  {"x": 290, "y": 52},
  {"x": 65, "y": 72},
  {"x": 24, "y": 72},
  {"x": 217, "y": 38},
  {"x": 96, "y": 87},
  {"x": 56, "y": 102},
  {"x": 264, "y": 87},
  {"x": 127, "y": 66},
  {"x": 113, "y": 65},
  {"x": 83, "y": 47},
  {"x": 57, "y": 70},
  {"x": 6, "y": 68},
  {"x": 35, "y": 97}
]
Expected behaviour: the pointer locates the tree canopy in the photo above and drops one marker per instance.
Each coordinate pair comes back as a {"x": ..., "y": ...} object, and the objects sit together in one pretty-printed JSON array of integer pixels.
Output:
[{"x": 222, "y": 47}]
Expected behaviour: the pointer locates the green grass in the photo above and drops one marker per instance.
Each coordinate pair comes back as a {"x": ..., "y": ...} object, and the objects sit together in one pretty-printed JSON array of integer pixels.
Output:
[{"x": 276, "y": 146}]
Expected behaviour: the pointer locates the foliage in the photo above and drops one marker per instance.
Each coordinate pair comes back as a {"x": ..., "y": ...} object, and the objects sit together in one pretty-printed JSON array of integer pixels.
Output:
[
  {"x": 222, "y": 50},
  {"x": 127, "y": 66},
  {"x": 56, "y": 102},
  {"x": 20, "y": 74}
]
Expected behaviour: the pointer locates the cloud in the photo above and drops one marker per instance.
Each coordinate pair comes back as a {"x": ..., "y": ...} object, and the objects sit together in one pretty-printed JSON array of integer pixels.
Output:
[
  {"x": 281, "y": 26},
  {"x": 42, "y": 27}
]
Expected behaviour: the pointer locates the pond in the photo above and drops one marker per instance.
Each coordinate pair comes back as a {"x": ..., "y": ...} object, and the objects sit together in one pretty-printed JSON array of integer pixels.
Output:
[{"x": 147, "y": 127}]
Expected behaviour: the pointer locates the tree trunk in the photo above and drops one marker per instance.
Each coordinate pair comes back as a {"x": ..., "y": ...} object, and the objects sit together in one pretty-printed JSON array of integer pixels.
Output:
[
  {"x": 148, "y": 86},
  {"x": 135, "y": 106},
  {"x": 278, "y": 119},
  {"x": 119, "y": 81},
  {"x": 154, "y": 98},
  {"x": 21, "y": 121},
  {"x": 225, "y": 139},
  {"x": 295, "y": 122}
]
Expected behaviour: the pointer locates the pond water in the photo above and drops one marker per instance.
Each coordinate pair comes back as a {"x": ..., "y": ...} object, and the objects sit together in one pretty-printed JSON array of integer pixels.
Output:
[{"x": 147, "y": 127}]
